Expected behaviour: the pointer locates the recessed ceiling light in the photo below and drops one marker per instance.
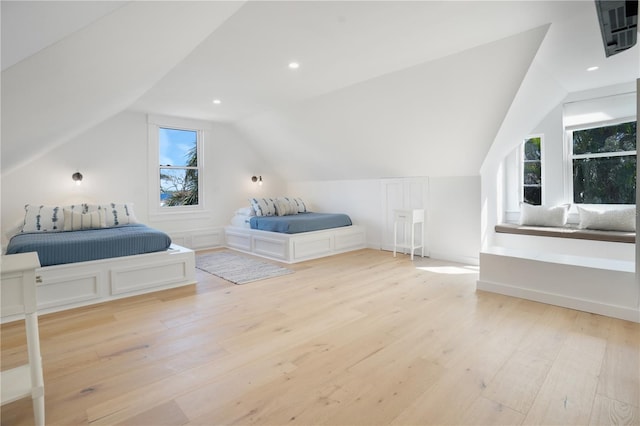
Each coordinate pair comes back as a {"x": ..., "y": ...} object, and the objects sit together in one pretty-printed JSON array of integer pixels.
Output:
[
  {"x": 592, "y": 68},
  {"x": 217, "y": 101},
  {"x": 294, "y": 65}
]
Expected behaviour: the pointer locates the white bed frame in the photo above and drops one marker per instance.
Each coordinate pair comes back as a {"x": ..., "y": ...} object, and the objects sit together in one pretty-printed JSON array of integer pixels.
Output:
[
  {"x": 67, "y": 286},
  {"x": 72, "y": 285},
  {"x": 292, "y": 248}
]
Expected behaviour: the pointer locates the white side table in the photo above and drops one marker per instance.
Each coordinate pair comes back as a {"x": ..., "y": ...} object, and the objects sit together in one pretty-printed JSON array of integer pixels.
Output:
[
  {"x": 408, "y": 217},
  {"x": 18, "y": 296}
]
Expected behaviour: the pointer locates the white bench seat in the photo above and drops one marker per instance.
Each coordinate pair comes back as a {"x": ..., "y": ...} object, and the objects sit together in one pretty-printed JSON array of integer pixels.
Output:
[{"x": 592, "y": 271}]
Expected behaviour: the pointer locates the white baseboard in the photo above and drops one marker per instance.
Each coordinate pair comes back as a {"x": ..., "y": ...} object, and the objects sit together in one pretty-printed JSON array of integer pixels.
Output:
[
  {"x": 449, "y": 257},
  {"x": 621, "y": 312},
  {"x": 452, "y": 257}
]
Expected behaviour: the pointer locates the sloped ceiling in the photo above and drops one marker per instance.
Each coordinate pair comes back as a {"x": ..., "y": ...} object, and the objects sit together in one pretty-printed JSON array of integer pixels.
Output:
[
  {"x": 34, "y": 25},
  {"x": 437, "y": 118},
  {"x": 385, "y": 88},
  {"x": 97, "y": 71}
]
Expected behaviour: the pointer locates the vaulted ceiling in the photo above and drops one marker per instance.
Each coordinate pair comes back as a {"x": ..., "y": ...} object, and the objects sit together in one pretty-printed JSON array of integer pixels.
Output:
[{"x": 384, "y": 88}]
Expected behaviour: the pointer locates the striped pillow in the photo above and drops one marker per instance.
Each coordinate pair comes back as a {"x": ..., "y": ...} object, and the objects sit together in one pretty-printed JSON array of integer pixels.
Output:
[
  {"x": 302, "y": 207},
  {"x": 263, "y": 206},
  {"x": 43, "y": 218},
  {"x": 75, "y": 221},
  {"x": 287, "y": 206},
  {"x": 116, "y": 214}
]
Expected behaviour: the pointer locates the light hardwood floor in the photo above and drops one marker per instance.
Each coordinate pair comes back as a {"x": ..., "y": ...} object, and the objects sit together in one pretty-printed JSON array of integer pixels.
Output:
[{"x": 359, "y": 338}]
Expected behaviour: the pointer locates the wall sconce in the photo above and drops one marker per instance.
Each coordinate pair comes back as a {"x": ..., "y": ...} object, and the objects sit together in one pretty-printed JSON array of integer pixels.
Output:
[
  {"x": 77, "y": 178},
  {"x": 257, "y": 179}
]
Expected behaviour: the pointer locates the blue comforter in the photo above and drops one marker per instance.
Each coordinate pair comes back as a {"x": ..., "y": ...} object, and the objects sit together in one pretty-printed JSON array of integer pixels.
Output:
[
  {"x": 55, "y": 248},
  {"x": 302, "y": 222}
]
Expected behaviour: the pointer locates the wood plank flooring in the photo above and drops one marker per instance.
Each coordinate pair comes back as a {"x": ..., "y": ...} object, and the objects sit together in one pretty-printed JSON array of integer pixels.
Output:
[{"x": 361, "y": 338}]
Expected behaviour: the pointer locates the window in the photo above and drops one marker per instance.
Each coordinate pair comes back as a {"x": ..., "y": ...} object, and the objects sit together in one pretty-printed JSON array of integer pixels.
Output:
[
  {"x": 178, "y": 167},
  {"x": 604, "y": 164},
  {"x": 532, "y": 171}
]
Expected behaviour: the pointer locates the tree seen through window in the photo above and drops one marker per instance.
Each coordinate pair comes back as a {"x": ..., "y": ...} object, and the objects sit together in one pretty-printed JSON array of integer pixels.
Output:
[
  {"x": 604, "y": 164},
  {"x": 532, "y": 171},
  {"x": 178, "y": 160}
]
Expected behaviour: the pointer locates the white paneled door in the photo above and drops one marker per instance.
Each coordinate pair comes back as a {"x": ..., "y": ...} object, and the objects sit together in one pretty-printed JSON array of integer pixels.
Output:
[{"x": 403, "y": 193}]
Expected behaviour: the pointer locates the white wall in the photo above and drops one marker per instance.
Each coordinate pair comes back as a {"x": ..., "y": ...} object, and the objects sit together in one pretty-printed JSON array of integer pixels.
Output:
[
  {"x": 453, "y": 229},
  {"x": 360, "y": 199},
  {"x": 113, "y": 159},
  {"x": 539, "y": 94},
  {"x": 452, "y": 211},
  {"x": 552, "y": 157}
]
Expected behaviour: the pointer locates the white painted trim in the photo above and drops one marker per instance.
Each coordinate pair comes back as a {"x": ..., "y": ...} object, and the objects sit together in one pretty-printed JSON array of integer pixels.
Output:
[
  {"x": 452, "y": 257},
  {"x": 194, "y": 214},
  {"x": 569, "y": 157},
  {"x": 179, "y": 122},
  {"x": 537, "y": 254},
  {"x": 595, "y": 124},
  {"x": 621, "y": 312},
  {"x": 154, "y": 122},
  {"x": 520, "y": 156},
  {"x": 603, "y": 287}
]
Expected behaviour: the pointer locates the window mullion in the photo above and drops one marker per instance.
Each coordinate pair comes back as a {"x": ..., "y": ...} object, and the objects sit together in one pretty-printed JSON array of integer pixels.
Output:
[
  {"x": 179, "y": 167},
  {"x": 604, "y": 154}
]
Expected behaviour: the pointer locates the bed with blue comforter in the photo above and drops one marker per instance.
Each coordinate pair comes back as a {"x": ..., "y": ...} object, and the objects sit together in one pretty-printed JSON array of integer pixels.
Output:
[
  {"x": 302, "y": 222},
  {"x": 56, "y": 248}
]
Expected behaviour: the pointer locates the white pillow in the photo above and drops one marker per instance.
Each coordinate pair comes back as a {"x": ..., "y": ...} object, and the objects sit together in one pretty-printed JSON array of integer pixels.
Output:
[
  {"x": 609, "y": 220},
  {"x": 263, "y": 206},
  {"x": 116, "y": 214},
  {"x": 543, "y": 216},
  {"x": 246, "y": 211},
  {"x": 282, "y": 207},
  {"x": 287, "y": 205},
  {"x": 42, "y": 218},
  {"x": 75, "y": 221}
]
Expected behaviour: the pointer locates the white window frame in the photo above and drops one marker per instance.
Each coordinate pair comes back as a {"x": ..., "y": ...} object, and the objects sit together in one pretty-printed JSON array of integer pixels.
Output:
[
  {"x": 569, "y": 157},
  {"x": 521, "y": 161},
  {"x": 156, "y": 212}
]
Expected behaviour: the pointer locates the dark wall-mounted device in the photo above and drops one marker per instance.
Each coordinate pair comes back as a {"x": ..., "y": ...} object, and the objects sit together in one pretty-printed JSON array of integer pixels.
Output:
[{"x": 618, "y": 24}]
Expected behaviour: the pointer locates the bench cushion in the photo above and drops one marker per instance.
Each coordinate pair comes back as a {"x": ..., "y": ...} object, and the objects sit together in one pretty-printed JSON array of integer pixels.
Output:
[{"x": 567, "y": 232}]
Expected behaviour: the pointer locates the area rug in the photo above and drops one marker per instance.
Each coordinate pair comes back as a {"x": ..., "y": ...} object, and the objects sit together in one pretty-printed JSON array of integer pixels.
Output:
[{"x": 238, "y": 269}]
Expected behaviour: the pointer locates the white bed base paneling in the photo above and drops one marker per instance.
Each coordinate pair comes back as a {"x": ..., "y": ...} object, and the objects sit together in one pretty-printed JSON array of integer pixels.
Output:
[
  {"x": 85, "y": 283},
  {"x": 199, "y": 239},
  {"x": 292, "y": 248}
]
